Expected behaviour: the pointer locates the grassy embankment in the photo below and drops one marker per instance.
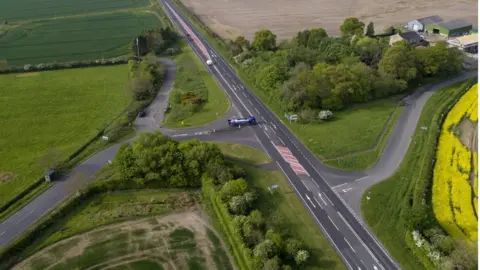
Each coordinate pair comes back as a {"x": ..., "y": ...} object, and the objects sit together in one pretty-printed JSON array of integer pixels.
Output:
[
  {"x": 390, "y": 200},
  {"x": 192, "y": 80}
]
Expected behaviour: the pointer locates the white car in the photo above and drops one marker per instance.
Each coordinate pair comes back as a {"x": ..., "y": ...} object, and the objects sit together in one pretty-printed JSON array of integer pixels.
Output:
[{"x": 209, "y": 62}]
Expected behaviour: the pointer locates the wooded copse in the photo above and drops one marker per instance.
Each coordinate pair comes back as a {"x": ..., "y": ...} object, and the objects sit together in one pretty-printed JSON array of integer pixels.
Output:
[
  {"x": 313, "y": 71},
  {"x": 155, "y": 160}
]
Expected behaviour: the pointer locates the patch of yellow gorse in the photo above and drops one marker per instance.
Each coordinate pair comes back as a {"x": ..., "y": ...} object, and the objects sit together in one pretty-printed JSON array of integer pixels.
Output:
[{"x": 452, "y": 192}]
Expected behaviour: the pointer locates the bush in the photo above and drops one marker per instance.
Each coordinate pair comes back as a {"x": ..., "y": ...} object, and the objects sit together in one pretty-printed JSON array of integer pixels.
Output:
[{"x": 325, "y": 115}]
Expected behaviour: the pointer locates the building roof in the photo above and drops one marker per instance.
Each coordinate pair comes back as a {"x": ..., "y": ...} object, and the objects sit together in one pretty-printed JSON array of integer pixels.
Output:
[
  {"x": 410, "y": 36},
  {"x": 430, "y": 20},
  {"x": 454, "y": 24},
  {"x": 468, "y": 39}
]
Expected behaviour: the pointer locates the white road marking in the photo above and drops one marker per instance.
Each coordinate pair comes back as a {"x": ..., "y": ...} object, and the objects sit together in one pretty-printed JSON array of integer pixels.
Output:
[
  {"x": 315, "y": 182},
  {"x": 328, "y": 199},
  {"x": 20, "y": 220},
  {"x": 215, "y": 67},
  {"x": 256, "y": 110},
  {"x": 267, "y": 135},
  {"x": 356, "y": 235},
  {"x": 305, "y": 185},
  {"x": 361, "y": 178},
  {"x": 274, "y": 126},
  {"x": 281, "y": 140},
  {"x": 321, "y": 198},
  {"x": 346, "y": 190},
  {"x": 310, "y": 200},
  {"x": 244, "y": 94},
  {"x": 318, "y": 202},
  {"x": 339, "y": 185},
  {"x": 333, "y": 223},
  {"x": 241, "y": 86},
  {"x": 349, "y": 244},
  {"x": 264, "y": 119},
  {"x": 2, "y": 233},
  {"x": 313, "y": 214},
  {"x": 260, "y": 125},
  {"x": 250, "y": 102}
]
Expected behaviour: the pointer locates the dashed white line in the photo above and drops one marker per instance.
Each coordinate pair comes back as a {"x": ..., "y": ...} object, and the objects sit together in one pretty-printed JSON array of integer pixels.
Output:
[
  {"x": 356, "y": 235},
  {"x": 256, "y": 110},
  {"x": 361, "y": 178},
  {"x": 2, "y": 233},
  {"x": 244, "y": 94},
  {"x": 328, "y": 199},
  {"x": 250, "y": 102},
  {"x": 349, "y": 244},
  {"x": 264, "y": 119},
  {"x": 315, "y": 182},
  {"x": 266, "y": 134},
  {"x": 274, "y": 126},
  {"x": 281, "y": 140},
  {"x": 321, "y": 198},
  {"x": 333, "y": 223},
  {"x": 20, "y": 220},
  {"x": 318, "y": 202},
  {"x": 305, "y": 185}
]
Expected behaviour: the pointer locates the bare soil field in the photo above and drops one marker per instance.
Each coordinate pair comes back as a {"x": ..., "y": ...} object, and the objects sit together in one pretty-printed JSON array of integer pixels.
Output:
[
  {"x": 230, "y": 18},
  {"x": 176, "y": 241}
]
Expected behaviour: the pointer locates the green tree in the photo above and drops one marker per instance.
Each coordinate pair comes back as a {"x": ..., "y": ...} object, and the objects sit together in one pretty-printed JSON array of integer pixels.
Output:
[
  {"x": 264, "y": 40},
  {"x": 302, "y": 257},
  {"x": 233, "y": 188},
  {"x": 370, "y": 30},
  {"x": 243, "y": 43},
  {"x": 352, "y": 26},
  {"x": 257, "y": 219},
  {"x": 399, "y": 62},
  {"x": 292, "y": 246},
  {"x": 276, "y": 238},
  {"x": 369, "y": 50},
  {"x": 311, "y": 38},
  {"x": 272, "y": 264},
  {"x": 265, "y": 250}
]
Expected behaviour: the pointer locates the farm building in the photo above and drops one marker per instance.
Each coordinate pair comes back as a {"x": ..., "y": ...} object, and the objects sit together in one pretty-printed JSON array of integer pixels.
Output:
[
  {"x": 454, "y": 28},
  {"x": 419, "y": 24},
  {"x": 413, "y": 38},
  {"x": 468, "y": 44}
]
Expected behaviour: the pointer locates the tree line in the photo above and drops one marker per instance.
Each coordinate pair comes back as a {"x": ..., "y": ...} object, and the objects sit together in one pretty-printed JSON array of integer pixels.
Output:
[
  {"x": 155, "y": 160},
  {"x": 313, "y": 71}
]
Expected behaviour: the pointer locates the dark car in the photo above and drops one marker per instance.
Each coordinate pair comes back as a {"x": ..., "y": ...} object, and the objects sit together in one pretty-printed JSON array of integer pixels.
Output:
[
  {"x": 142, "y": 113},
  {"x": 167, "y": 109}
]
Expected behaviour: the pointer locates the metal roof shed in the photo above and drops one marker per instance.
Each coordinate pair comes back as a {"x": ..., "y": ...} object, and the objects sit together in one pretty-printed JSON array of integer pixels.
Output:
[
  {"x": 419, "y": 24},
  {"x": 453, "y": 28}
]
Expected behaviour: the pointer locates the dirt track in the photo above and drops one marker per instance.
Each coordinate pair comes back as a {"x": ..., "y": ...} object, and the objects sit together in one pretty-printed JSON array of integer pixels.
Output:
[{"x": 229, "y": 18}]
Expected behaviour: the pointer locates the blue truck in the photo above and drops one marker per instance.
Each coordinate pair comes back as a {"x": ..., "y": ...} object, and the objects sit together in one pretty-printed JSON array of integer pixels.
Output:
[{"x": 242, "y": 121}]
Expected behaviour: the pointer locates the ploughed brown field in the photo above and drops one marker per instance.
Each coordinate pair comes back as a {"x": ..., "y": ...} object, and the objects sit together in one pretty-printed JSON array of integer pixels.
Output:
[{"x": 230, "y": 18}]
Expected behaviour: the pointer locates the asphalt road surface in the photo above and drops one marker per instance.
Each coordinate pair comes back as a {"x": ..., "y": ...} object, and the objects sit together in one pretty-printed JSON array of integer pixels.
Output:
[{"x": 331, "y": 196}]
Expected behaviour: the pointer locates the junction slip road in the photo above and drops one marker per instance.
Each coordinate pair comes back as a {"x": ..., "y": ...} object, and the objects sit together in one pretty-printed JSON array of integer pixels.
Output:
[{"x": 356, "y": 246}]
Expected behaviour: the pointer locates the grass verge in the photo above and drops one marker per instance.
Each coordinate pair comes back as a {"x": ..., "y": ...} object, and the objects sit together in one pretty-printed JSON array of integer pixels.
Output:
[
  {"x": 369, "y": 158},
  {"x": 243, "y": 153},
  {"x": 192, "y": 81},
  {"x": 391, "y": 200}
]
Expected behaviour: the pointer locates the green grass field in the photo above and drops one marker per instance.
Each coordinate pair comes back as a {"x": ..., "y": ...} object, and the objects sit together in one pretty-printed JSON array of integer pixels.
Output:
[
  {"x": 74, "y": 39},
  {"x": 243, "y": 153},
  {"x": 21, "y": 10},
  {"x": 193, "y": 76},
  {"x": 390, "y": 200},
  {"x": 59, "y": 110}
]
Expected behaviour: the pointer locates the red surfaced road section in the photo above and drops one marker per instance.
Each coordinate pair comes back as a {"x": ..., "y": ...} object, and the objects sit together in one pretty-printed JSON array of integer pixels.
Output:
[
  {"x": 189, "y": 31},
  {"x": 291, "y": 159}
]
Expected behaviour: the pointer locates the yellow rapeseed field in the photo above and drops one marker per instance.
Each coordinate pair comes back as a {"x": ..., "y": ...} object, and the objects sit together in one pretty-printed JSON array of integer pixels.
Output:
[{"x": 452, "y": 192}]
